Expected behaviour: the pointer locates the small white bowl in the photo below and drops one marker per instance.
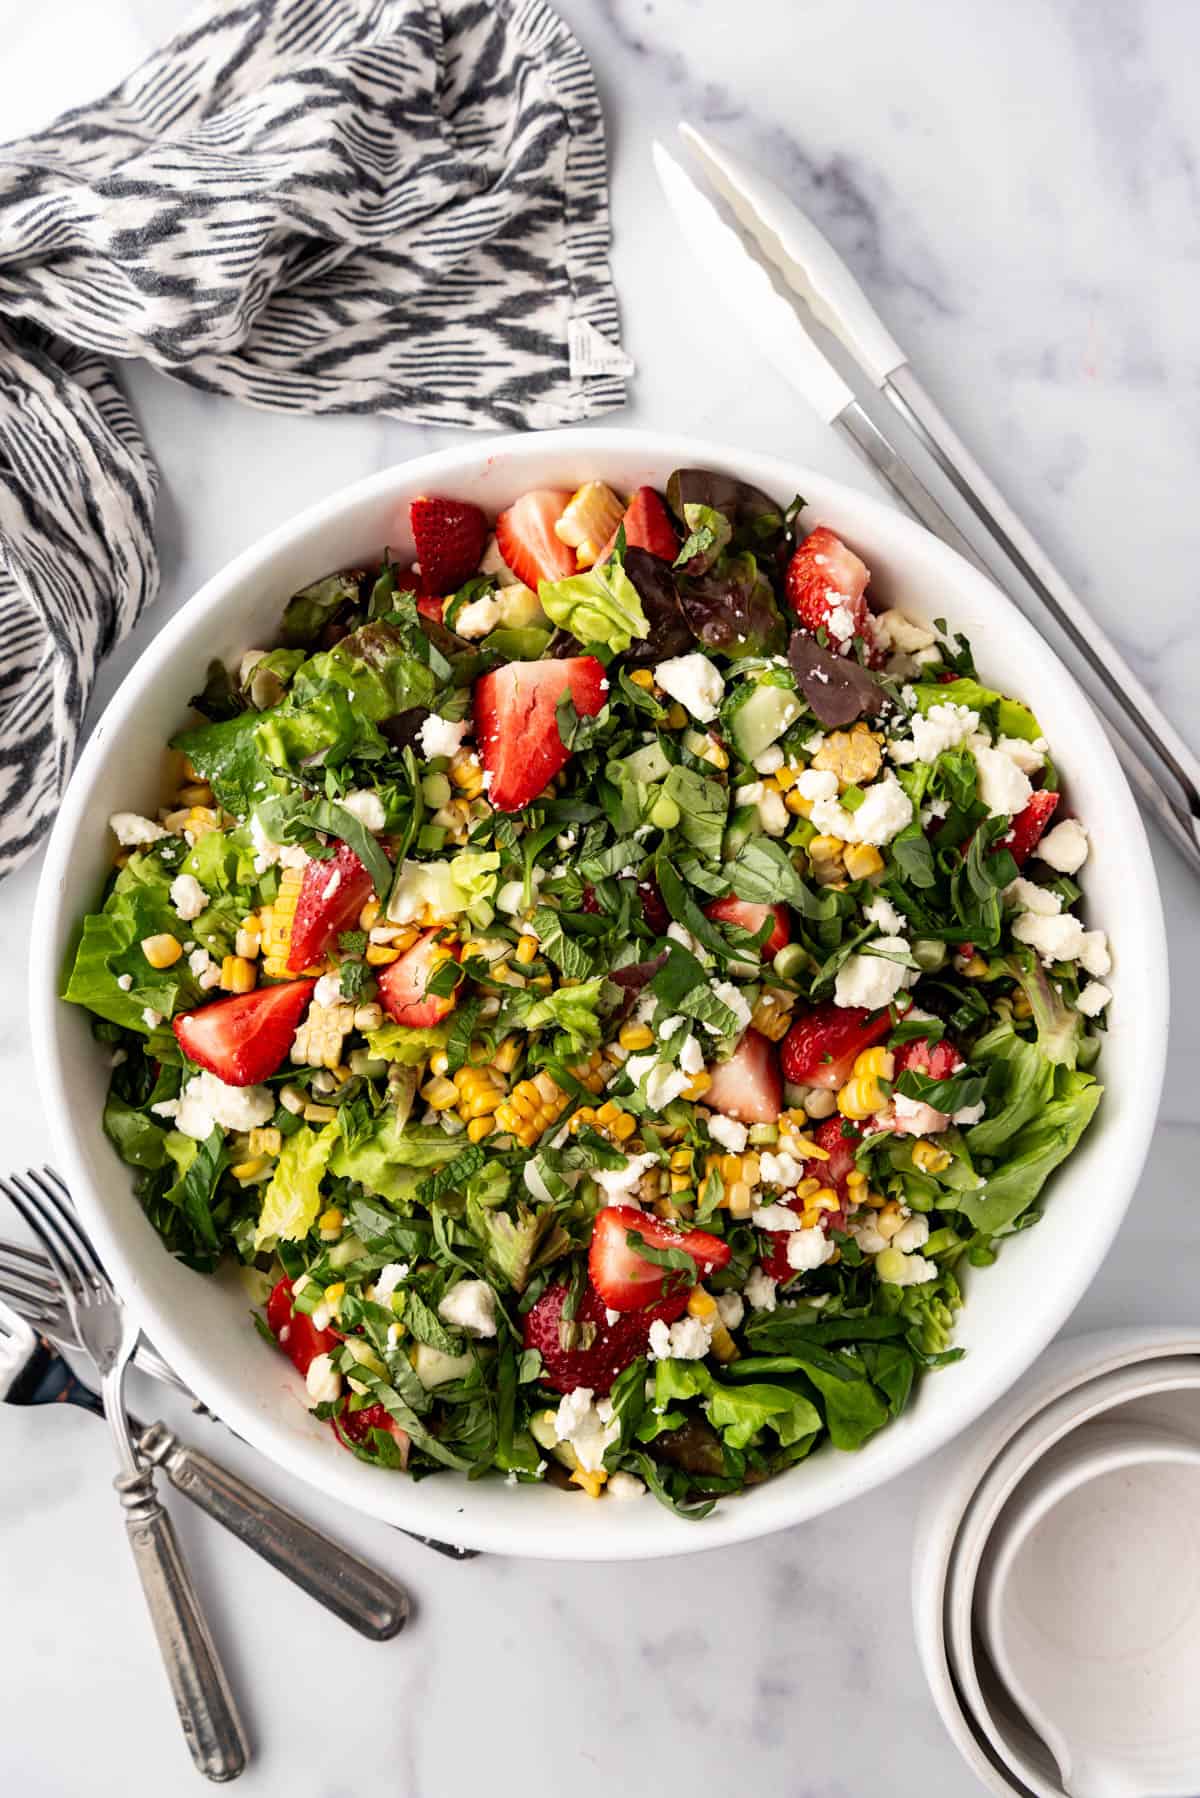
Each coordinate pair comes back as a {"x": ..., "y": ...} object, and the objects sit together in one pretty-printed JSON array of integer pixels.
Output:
[
  {"x": 1069, "y": 1385},
  {"x": 201, "y": 1325},
  {"x": 1088, "y": 1602}
]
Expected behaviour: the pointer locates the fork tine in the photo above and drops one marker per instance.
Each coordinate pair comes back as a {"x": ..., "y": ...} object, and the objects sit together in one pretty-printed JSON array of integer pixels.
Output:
[
  {"x": 33, "y": 1307},
  {"x": 24, "y": 1264},
  {"x": 59, "y": 1251},
  {"x": 47, "y": 1183}
]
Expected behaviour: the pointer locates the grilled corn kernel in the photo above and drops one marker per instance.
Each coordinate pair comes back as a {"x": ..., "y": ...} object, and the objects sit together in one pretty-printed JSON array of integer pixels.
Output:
[
  {"x": 592, "y": 515},
  {"x": 331, "y": 1222},
  {"x": 877, "y": 1062},
  {"x": 162, "y": 951},
  {"x": 466, "y": 773},
  {"x": 715, "y": 754},
  {"x": 293, "y": 1099},
  {"x": 319, "y": 1114},
  {"x": 796, "y": 803},
  {"x": 480, "y": 1091},
  {"x": 860, "y": 1097},
  {"x": 439, "y": 1093},
  {"x": 380, "y": 955},
  {"x": 700, "y": 1084},
  {"x": 772, "y": 1016},
  {"x": 277, "y": 919},
  {"x": 439, "y": 1062},
  {"x": 786, "y": 777},
  {"x": 368, "y": 1016},
  {"x": 530, "y": 1109},
  {"x": 853, "y": 755},
  {"x": 739, "y": 1198},
  {"x": 855, "y": 1181},
  {"x": 265, "y": 1141},
  {"x": 245, "y": 1171},
  {"x": 890, "y": 1220},
  {"x": 593, "y": 1483},
  {"x": 507, "y": 1054},
  {"x": 247, "y": 943},
  {"x": 703, "y": 1305},
  {"x": 825, "y": 853},
  {"x": 336, "y": 1293},
  {"x": 527, "y": 948},
  {"x": 201, "y": 819},
  {"x": 318, "y": 1041},
  {"x": 369, "y": 915},
  {"x": 635, "y": 1036},
  {"x": 929, "y": 1158},
  {"x": 238, "y": 975},
  {"x": 480, "y": 1127},
  {"x": 862, "y": 861},
  {"x": 975, "y": 967},
  {"x": 681, "y": 1160},
  {"x": 642, "y": 677}
]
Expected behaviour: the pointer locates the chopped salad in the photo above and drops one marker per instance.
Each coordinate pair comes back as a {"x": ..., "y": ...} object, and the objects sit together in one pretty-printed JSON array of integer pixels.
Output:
[{"x": 603, "y": 985}]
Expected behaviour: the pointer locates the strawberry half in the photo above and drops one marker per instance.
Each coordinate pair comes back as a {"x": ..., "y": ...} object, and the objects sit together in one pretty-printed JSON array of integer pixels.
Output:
[
  {"x": 526, "y": 538},
  {"x": 332, "y": 894},
  {"x": 647, "y": 526},
  {"x": 826, "y": 585},
  {"x": 244, "y": 1039},
  {"x": 358, "y": 1425},
  {"x": 1029, "y": 826},
  {"x": 449, "y": 535},
  {"x": 747, "y": 1086},
  {"x": 840, "y": 1150},
  {"x": 625, "y": 1280},
  {"x": 751, "y": 916},
  {"x": 295, "y": 1331},
  {"x": 611, "y": 1347},
  {"x": 402, "y": 983},
  {"x": 516, "y": 723},
  {"x": 820, "y": 1047}
]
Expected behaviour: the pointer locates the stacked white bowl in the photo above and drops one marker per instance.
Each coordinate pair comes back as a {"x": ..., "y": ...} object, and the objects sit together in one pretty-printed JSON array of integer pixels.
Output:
[{"x": 1056, "y": 1584}]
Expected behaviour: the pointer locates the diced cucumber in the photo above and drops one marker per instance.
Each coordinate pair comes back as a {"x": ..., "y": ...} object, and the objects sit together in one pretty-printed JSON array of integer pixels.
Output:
[
  {"x": 541, "y": 1428},
  {"x": 342, "y": 1253},
  {"x": 763, "y": 717},
  {"x": 648, "y": 763},
  {"x": 434, "y": 1367},
  {"x": 519, "y": 607}
]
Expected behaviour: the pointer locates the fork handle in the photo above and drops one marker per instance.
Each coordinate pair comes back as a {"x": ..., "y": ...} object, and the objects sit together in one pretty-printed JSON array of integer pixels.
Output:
[
  {"x": 202, "y": 1696},
  {"x": 359, "y": 1594}
]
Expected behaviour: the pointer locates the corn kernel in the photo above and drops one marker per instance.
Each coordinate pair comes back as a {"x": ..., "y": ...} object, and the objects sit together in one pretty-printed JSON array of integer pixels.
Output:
[
  {"x": 440, "y": 1094},
  {"x": 368, "y": 1017},
  {"x": 369, "y": 915},
  {"x": 878, "y": 1062},
  {"x": 738, "y": 1198},
  {"x": 700, "y": 1084},
  {"x": 331, "y": 1222},
  {"x": 237, "y": 974},
  {"x": 293, "y": 1099},
  {"x": 244, "y": 1171},
  {"x": 715, "y": 754},
  {"x": 593, "y": 1483},
  {"x": 862, "y": 861},
  {"x": 929, "y": 1158},
  {"x": 975, "y": 967},
  {"x": 507, "y": 1054},
  {"x": 681, "y": 1160},
  {"x": 860, "y": 1097},
  {"x": 336, "y": 1293},
  {"x": 642, "y": 677},
  {"x": 247, "y": 943},
  {"x": 635, "y": 1036},
  {"x": 266, "y": 1141},
  {"x": 796, "y": 803},
  {"x": 527, "y": 948},
  {"x": 380, "y": 955},
  {"x": 196, "y": 793},
  {"x": 319, "y": 1114},
  {"x": 480, "y": 1127},
  {"x": 786, "y": 777},
  {"x": 162, "y": 951}
]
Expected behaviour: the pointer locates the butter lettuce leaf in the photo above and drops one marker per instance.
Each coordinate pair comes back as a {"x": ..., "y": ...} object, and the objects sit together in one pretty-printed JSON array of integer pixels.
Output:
[
  {"x": 601, "y": 606},
  {"x": 385, "y": 1162},
  {"x": 110, "y": 947}
]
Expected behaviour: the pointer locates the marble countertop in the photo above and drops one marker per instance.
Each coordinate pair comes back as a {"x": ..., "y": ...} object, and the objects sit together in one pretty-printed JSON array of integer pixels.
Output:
[{"x": 1018, "y": 190}]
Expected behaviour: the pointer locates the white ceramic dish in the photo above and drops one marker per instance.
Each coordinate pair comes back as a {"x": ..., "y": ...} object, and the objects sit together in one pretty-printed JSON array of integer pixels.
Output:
[
  {"x": 201, "y": 1325},
  {"x": 1163, "y": 1390},
  {"x": 1071, "y": 1378},
  {"x": 1088, "y": 1600}
]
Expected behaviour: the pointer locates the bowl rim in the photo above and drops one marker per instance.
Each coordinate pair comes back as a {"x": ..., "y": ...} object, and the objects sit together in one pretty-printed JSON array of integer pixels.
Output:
[{"x": 781, "y": 1502}]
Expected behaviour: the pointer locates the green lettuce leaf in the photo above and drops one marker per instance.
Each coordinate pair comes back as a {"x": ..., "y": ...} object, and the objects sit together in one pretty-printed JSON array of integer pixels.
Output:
[
  {"x": 387, "y": 1160},
  {"x": 292, "y": 1200},
  {"x": 308, "y": 611},
  {"x": 572, "y": 1009},
  {"x": 110, "y": 947},
  {"x": 515, "y": 1246},
  {"x": 1020, "y": 1084},
  {"x": 601, "y": 606},
  {"x": 229, "y": 757},
  {"x": 136, "y": 1138},
  {"x": 738, "y": 1412},
  {"x": 1033, "y": 1153},
  {"x": 407, "y": 1043}
]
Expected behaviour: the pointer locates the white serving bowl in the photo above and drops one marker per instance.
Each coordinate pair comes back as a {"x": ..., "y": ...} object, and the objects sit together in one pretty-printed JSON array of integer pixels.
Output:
[
  {"x": 1077, "y": 1380},
  {"x": 201, "y": 1324}
]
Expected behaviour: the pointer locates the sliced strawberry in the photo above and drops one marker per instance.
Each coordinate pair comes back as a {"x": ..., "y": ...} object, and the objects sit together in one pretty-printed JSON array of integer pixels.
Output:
[
  {"x": 752, "y": 917},
  {"x": 938, "y": 1060},
  {"x": 826, "y": 586},
  {"x": 430, "y": 606},
  {"x": 402, "y": 983},
  {"x": 647, "y": 526},
  {"x": 1029, "y": 826},
  {"x": 331, "y": 896},
  {"x": 516, "y": 723},
  {"x": 526, "y": 538},
  {"x": 295, "y": 1331},
  {"x": 610, "y": 1346},
  {"x": 820, "y": 1047},
  {"x": 840, "y": 1149},
  {"x": 625, "y": 1280},
  {"x": 243, "y": 1040},
  {"x": 449, "y": 535},
  {"x": 747, "y": 1086},
  {"x": 358, "y": 1425}
]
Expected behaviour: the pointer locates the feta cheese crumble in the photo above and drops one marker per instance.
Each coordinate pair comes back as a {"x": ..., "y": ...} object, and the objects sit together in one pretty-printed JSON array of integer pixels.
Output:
[
  {"x": 471, "y": 1305},
  {"x": 438, "y": 736},
  {"x": 188, "y": 897},
  {"x": 1002, "y": 786},
  {"x": 695, "y": 682},
  {"x": 872, "y": 980},
  {"x": 1065, "y": 848},
  {"x": 366, "y": 806},
  {"x": 728, "y": 1132}
]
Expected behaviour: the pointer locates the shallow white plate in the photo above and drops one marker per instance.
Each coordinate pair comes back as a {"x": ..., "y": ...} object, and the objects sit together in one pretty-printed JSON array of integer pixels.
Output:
[{"x": 201, "y": 1325}]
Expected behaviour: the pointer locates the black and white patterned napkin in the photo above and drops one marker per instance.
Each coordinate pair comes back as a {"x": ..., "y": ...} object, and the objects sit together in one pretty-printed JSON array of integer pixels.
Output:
[{"x": 393, "y": 206}]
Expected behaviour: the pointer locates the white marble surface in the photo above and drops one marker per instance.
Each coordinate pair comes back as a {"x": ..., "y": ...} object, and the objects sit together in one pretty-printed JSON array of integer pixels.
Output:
[{"x": 1018, "y": 189}]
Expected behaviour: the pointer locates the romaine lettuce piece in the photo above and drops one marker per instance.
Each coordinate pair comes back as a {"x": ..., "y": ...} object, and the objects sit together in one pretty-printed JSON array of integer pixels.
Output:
[{"x": 292, "y": 1201}]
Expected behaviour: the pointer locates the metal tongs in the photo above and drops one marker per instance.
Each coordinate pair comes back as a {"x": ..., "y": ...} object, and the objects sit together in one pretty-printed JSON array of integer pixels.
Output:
[{"x": 786, "y": 250}]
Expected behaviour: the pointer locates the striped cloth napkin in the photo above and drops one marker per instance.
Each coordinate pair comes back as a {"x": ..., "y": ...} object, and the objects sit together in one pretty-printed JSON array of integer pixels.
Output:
[{"x": 393, "y": 206}]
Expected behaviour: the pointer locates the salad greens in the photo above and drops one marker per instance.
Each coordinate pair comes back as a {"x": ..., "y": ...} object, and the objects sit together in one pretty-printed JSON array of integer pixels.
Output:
[{"x": 607, "y": 1014}]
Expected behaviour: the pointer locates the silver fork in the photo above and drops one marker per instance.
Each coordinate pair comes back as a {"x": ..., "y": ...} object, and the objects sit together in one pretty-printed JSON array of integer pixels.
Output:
[
  {"x": 368, "y": 1600},
  {"x": 207, "y": 1711}
]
